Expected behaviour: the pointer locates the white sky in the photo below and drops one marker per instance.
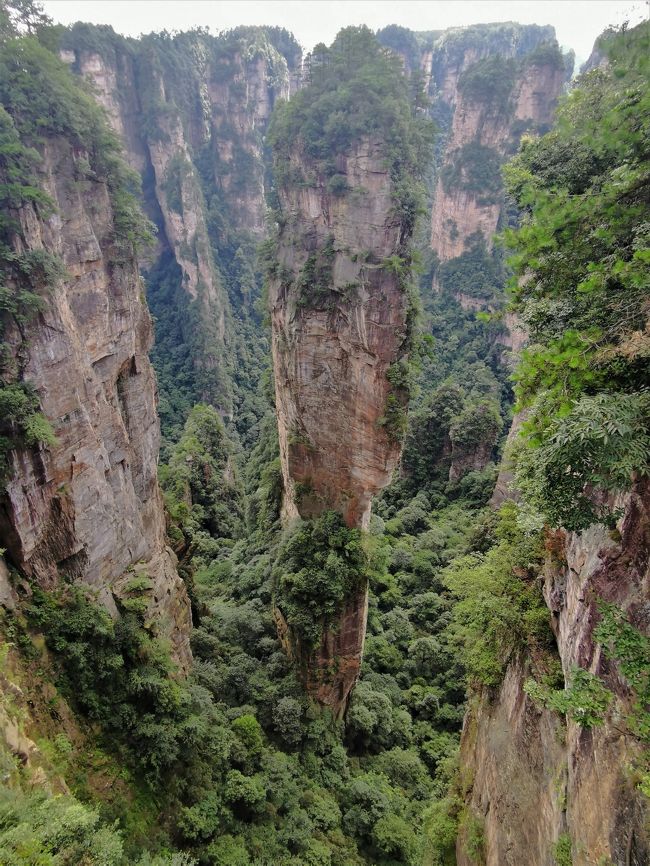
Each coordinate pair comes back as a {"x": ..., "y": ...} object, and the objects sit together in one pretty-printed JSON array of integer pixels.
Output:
[{"x": 577, "y": 22}]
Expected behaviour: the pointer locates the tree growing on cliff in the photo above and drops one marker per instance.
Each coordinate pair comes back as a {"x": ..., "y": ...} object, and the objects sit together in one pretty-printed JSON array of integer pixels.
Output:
[
  {"x": 582, "y": 261},
  {"x": 19, "y": 16},
  {"x": 356, "y": 89}
]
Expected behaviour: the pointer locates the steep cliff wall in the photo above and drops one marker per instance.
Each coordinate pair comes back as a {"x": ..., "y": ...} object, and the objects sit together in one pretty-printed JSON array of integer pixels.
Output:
[
  {"x": 332, "y": 351},
  {"x": 537, "y": 777},
  {"x": 192, "y": 112},
  {"x": 595, "y": 575},
  {"x": 494, "y": 100},
  {"x": 88, "y": 507},
  {"x": 339, "y": 322},
  {"x": 489, "y": 85}
]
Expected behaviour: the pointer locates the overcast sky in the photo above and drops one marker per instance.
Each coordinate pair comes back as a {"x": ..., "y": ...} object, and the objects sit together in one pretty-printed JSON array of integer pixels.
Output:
[{"x": 577, "y": 22}]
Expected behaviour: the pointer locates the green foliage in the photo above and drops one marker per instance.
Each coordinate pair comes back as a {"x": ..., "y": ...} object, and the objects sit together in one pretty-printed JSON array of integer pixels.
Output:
[
  {"x": 355, "y": 90},
  {"x": 172, "y": 185},
  {"x": 43, "y": 98},
  {"x": 337, "y": 185},
  {"x": 315, "y": 278},
  {"x": 116, "y": 674},
  {"x": 585, "y": 699},
  {"x": 478, "y": 424},
  {"x": 319, "y": 566},
  {"x": 22, "y": 425},
  {"x": 20, "y": 16},
  {"x": 54, "y": 831},
  {"x": 241, "y": 769},
  {"x": 95, "y": 39},
  {"x": 630, "y": 649},
  {"x": 403, "y": 41},
  {"x": 40, "y": 98},
  {"x": 394, "y": 420},
  {"x": 499, "y": 609},
  {"x": 441, "y": 830},
  {"x": 548, "y": 54},
  {"x": 201, "y": 492},
  {"x": 490, "y": 81},
  {"x": 582, "y": 264},
  {"x": 449, "y": 422},
  {"x": 498, "y": 37},
  {"x": 562, "y": 850},
  {"x": 475, "y": 273},
  {"x": 475, "y": 168},
  {"x": 597, "y": 441},
  {"x": 474, "y": 833}
]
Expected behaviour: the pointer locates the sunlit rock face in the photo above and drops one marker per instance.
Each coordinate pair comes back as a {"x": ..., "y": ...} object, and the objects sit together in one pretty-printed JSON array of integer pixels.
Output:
[
  {"x": 89, "y": 508},
  {"x": 332, "y": 350}
]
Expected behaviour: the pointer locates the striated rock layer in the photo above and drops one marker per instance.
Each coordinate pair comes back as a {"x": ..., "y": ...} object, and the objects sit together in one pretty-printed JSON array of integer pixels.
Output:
[
  {"x": 196, "y": 142},
  {"x": 459, "y": 213},
  {"x": 534, "y": 778},
  {"x": 331, "y": 353},
  {"x": 89, "y": 508}
]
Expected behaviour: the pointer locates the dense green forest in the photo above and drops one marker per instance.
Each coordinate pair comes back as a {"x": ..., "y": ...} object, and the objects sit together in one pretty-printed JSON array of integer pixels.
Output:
[{"x": 233, "y": 765}]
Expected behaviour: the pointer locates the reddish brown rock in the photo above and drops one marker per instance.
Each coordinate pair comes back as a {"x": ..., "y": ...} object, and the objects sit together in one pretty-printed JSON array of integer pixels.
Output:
[
  {"x": 458, "y": 213},
  {"x": 331, "y": 357}
]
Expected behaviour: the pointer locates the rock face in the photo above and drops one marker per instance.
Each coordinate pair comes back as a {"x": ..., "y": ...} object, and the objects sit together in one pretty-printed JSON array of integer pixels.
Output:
[
  {"x": 332, "y": 350},
  {"x": 196, "y": 138},
  {"x": 514, "y": 754},
  {"x": 489, "y": 85},
  {"x": 459, "y": 212},
  {"x": 331, "y": 357},
  {"x": 89, "y": 508},
  {"x": 531, "y": 783}
]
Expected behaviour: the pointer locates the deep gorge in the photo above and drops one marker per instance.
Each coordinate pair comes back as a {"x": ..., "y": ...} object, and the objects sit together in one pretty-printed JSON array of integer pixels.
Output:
[{"x": 278, "y": 584}]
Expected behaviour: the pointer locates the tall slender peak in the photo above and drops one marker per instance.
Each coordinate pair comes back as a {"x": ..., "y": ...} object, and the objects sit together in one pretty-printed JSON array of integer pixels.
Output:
[{"x": 346, "y": 168}]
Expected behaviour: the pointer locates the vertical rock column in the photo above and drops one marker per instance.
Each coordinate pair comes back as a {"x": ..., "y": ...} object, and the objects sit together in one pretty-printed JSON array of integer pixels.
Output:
[{"x": 339, "y": 320}]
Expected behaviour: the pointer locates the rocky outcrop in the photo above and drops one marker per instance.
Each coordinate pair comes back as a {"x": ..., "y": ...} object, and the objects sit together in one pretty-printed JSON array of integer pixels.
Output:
[
  {"x": 469, "y": 459},
  {"x": 332, "y": 354},
  {"x": 489, "y": 90},
  {"x": 462, "y": 208},
  {"x": 89, "y": 508},
  {"x": 541, "y": 783},
  {"x": 192, "y": 112},
  {"x": 338, "y": 317},
  {"x": 607, "y": 816},
  {"x": 513, "y": 753}
]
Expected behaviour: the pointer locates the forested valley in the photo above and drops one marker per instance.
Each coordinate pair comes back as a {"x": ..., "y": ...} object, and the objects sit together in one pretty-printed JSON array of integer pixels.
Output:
[{"x": 324, "y": 444}]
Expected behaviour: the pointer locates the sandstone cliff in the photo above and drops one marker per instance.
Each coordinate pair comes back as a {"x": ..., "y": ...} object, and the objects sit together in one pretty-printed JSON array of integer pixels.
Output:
[
  {"x": 332, "y": 353},
  {"x": 192, "y": 112},
  {"x": 89, "y": 508},
  {"x": 338, "y": 318},
  {"x": 537, "y": 777},
  {"x": 489, "y": 85}
]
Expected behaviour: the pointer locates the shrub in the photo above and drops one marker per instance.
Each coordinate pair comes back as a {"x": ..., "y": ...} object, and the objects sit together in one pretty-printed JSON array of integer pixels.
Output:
[{"x": 318, "y": 567}]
